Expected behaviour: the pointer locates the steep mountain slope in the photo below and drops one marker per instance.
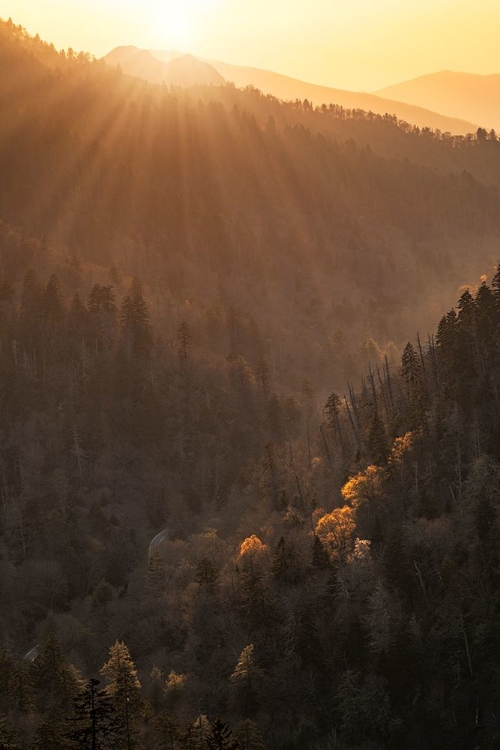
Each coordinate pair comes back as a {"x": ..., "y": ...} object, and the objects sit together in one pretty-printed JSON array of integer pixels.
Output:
[
  {"x": 331, "y": 574},
  {"x": 252, "y": 207},
  {"x": 288, "y": 88},
  {"x": 465, "y": 95},
  {"x": 183, "y": 70},
  {"x": 328, "y": 571}
]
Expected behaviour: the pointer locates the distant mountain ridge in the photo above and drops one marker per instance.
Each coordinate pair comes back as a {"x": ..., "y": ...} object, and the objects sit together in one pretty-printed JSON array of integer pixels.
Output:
[
  {"x": 280, "y": 86},
  {"x": 465, "y": 95},
  {"x": 179, "y": 70}
]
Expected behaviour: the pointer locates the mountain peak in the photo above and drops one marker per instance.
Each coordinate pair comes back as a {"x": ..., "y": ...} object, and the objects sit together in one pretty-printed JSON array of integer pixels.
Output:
[{"x": 178, "y": 69}]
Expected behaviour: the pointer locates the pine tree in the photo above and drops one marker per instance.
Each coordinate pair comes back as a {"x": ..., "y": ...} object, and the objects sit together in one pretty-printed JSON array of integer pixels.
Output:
[
  {"x": 320, "y": 556},
  {"x": 446, "y": 348},
  {"x": 195, "y": 737},
  {"x": 56, "y": 681},
  {"x": 245, "y": 679},
  {"x": 487, "y": 318},
  {"x": 410, "y": 368},
  {"x": 94, "y": 723},
  {"x": 207, "y": 575},
  {"x": 466, "y": 341},
  {"x": 123, "y": 689},
  {"x": 220, "y": 737},
  {"x": 332, "y": 410},
  {"x": 134, "y": 321},
  {"x": 184, "y": 339}
]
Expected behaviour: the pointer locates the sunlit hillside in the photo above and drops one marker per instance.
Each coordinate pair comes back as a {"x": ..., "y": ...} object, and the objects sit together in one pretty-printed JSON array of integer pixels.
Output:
[
  {"x": 290, "y": 89},
  {"x": 231, "y": 198},
  {"x": 249, "y": 438}
]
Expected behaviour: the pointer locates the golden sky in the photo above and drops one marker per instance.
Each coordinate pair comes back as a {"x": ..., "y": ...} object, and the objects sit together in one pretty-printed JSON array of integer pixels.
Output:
[{"x": 352, "y": 44}]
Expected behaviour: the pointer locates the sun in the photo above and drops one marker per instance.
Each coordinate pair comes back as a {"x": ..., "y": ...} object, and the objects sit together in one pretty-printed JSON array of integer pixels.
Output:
[
  {"x": 174, "y": 24},
  {"x": 176, "y": 21}
]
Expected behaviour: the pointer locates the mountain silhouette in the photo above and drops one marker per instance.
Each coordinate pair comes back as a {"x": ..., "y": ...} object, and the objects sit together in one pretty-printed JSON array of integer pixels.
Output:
[
  {"x": 181, "y": 70},
  {"x": 287, "y": 88},
  {"x": 464, "y": 95}
]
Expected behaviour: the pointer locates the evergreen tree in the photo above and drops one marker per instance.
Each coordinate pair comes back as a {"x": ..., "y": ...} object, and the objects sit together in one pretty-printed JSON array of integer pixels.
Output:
[
  {"x": 123, "y": 690},
  {"x": 134, "y": 321},
  {"x": 320, "y": 557},
  {"x": 94, "y": 724},
  {"x": 488, "y": 319},
  {"x": 195, "y": 737},
  {"x": 57, "y": 683},
  {"x": 220, "y": 737},
  {"x": 332, "y": 410},
  {"x": 245, "y": 679},
  {"x": 410, "y": 368},
  {"x": 207, "y": 575}
]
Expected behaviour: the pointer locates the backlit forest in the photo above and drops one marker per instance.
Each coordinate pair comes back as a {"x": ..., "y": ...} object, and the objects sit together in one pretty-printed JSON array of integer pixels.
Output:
[{"x": 224, "y": 317}]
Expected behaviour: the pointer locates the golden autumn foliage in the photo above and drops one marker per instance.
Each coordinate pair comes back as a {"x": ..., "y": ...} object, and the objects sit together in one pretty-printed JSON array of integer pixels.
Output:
[
  {"x": 401, "y": 446},
  {"x": 365, "y": 486},
  {"x": 336, "y": 530},
  {"x": 252, "y": 546}
]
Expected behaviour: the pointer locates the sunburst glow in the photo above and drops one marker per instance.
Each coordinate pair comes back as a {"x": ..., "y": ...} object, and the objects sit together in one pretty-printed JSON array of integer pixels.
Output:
[{"x": 176, "y": 23}]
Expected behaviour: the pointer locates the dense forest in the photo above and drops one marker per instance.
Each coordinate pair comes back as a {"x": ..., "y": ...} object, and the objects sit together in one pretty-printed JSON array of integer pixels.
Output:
[
  {"x": 196, "y": 304},
  {"x": 222, "y": 197}
]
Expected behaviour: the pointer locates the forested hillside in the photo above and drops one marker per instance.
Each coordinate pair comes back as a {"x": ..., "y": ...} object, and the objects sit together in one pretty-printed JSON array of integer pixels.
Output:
[
  {"x": 329, "y": 576},
  {"x": 228, "y": 198},
  {"x": 146, "y": 64},
  {"x": 196, "y": 305}
]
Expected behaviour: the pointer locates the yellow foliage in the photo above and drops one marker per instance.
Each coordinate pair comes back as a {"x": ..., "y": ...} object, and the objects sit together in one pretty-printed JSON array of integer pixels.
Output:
[
  {"x": 252, "y": 546},
  {"x": 363, "y": 487},
  {"x": 401, "y": 446},
  {"x": 336, "y": 529},
  {"x": 175, "y": 681}
]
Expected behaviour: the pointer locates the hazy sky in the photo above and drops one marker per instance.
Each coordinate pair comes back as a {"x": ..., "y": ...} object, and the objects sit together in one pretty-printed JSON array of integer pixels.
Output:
[{"x": 356, "y": 44}]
